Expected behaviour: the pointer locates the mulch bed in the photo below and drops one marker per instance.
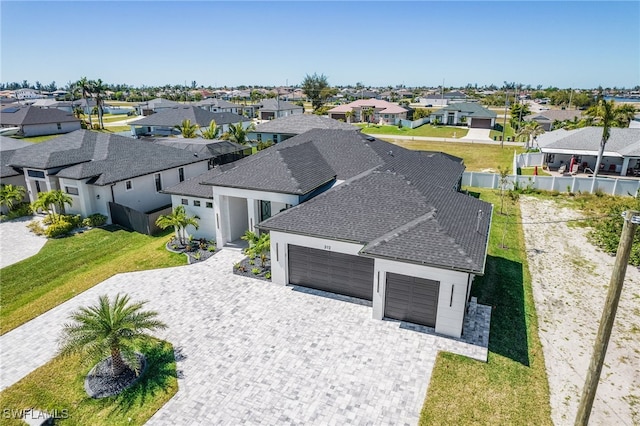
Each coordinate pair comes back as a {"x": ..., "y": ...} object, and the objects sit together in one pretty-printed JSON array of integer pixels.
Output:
[
  {"x": 100, "y": 383},
  {"x": 245, "y": 268},
  {"x": 194, "y": 251}
]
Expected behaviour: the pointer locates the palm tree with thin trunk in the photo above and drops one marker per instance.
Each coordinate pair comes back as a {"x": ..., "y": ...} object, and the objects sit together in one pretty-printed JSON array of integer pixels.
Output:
[
  {"x": 187, "y": 129},
  {"x": 606, "y": 114},
  {"x": 210, "y": 132},
  {"x": 531, "y": 130},
  {"x": 112, "y": 327},
  {"x": 84, "y": 86},
  {"x": 10, "y": 195},
  {"x": 98, "y": 89},
  {"x": 180, "y": 221},
  {"x": 348, "y": 115}
]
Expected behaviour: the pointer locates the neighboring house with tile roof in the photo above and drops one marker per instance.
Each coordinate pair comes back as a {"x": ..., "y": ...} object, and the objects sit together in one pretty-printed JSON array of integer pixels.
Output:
[
  {"x": 163, "y": 122},
  {"x": 547, "y": 118},
  {"x": 34, "y": 121},
  {"x": 383, "y": 112},
  {"x": 270, "y": 109},
  {"x": 96, "y": 169},
  {"x": 469, "y": 114},
  {"x": 284, "y": 128},
  {"x": 356, "y": 216},
  {"x": 621, "y": 155}
]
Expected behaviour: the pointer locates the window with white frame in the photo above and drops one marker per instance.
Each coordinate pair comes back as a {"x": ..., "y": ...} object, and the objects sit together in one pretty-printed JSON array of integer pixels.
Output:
[
  {"x": 184, "y": 202},
  {"x": 158, "y": 180},
  {"x": 209, "y": 205},
  {"x": 196, "y": 203},
  {"x": 128, "y": 185},
  {"x": 71, "y": 190},
  {"x": 181, "y": 174}
]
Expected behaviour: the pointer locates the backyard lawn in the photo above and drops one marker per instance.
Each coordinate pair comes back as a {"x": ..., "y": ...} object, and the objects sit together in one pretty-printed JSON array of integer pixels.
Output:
[
  {"x": 58, "y": 387},
  {"x": 424, "y": 130},
  {"x": 512, "y": 387},
  {"x": 68, "y": 266},
  {"x": 36, "y": 139},
  {"x": 477, "y": 157}
]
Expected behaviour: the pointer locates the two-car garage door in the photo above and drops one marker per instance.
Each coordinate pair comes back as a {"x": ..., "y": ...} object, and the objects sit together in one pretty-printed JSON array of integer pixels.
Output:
[
  {"x": 329, "y": 271},
  {"x": 480, "y": 123},
  {"x": 407, "y": 298},
  {"x": 411, "y": 299}
]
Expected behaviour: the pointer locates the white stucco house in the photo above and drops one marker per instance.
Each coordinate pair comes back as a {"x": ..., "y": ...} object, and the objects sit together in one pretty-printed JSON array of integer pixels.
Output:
[
  {"x": 35, "y": 121},
  {"x": 163, "y": 123},
  {"x": 270, "y": 109},
  {"x": 383, "y": 112},
  {"x": 281, "y": 129},
  {"x": 96, "y": 169},
  {"x": 356, "y": 216},
  {"x": 469, "y": 114}
]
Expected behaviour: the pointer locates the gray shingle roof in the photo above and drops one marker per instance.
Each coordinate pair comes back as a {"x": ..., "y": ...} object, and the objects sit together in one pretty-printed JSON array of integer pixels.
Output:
[
  {"x": 396, "y": 219},
  {"x": 554, "y": 114},
  {"x": 294, "y": 169},
  {"x": 107, "y": 158},
  {"x": 173, "y": 116},
  {"x": 622, "y": 141},
  {"x": 300, "y": 123},
  {"x": 277, "y": 105},
  {"x": 5, "y": 159},
  {"x": 7, "y": 143},
  {"x": 473, "y": 109},
  {"x": 159, "y": 102},
  {"x": 200, "y": 145},
  {"x": 24, "y": 115},
  {"x": 218, "y": 103}
]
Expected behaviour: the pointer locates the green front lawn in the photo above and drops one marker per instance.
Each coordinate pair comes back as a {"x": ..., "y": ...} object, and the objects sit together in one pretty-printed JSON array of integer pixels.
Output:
[
  {"x": 58, "y": 386},
  {"x": 509, "y": 132},
  {"x": 36, "y": 139},
  {"x": 66, "y": 267},
  {"x": 477, "y": 157},
  {"x": 512, "y": 387},
  {"x": 426, "y": 130}
]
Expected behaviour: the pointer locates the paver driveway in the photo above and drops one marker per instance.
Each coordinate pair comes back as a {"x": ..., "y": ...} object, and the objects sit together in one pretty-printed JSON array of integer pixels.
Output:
[
  {"x": 17, "y": 242},
  {"x": 258, "y": 353}
]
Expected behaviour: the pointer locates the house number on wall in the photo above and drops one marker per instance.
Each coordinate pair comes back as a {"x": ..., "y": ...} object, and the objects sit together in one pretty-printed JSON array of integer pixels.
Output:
[{"x": 327, "y": 247}]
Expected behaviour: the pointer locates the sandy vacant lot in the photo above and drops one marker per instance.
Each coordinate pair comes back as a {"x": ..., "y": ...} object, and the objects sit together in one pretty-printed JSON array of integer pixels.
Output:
[{"x": 570, "y": 278}]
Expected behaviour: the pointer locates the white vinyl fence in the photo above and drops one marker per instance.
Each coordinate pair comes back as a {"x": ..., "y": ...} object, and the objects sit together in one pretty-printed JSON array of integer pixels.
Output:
[
  {"x": 611, "y": 186},
  {"x": 415, "y": 123}
]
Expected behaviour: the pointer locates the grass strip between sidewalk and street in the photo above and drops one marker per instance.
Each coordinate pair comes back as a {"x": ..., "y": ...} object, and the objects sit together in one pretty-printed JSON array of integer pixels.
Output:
[{"x": 512, "y": 387}]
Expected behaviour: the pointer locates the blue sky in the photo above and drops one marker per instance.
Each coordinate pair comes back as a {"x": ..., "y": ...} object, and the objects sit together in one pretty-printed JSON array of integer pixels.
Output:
[{"x": 564, "y": 44}]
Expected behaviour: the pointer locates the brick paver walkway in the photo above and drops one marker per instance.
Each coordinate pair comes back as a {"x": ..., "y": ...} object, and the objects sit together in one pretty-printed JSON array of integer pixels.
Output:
[{"x": 253, "y": 352}]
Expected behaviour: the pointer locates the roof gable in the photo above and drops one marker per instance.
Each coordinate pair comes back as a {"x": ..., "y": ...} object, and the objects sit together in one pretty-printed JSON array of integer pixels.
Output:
[
  {"x": 26, "y": 115},
  {"x": 173, "y": 116},
  {"x": 299, "y": 123}
]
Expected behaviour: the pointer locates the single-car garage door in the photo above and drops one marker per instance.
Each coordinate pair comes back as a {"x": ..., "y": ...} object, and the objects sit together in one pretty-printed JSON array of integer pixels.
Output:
[
  {"x": 329, "y": 271},
  {"x": 411, "y": 299},
  {"x": 480, "y": 123}
]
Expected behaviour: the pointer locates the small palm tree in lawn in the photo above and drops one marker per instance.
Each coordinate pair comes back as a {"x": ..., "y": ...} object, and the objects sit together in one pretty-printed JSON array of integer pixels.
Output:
[
  {"x": 112, "y": 327},
  {"x": 187, "y": 129},
  {"x": 180, "y": 221},
  {"x": 10, "y": 195},
  {"x": 238, "y": 134},
  {"x": 211, "y": 132}
]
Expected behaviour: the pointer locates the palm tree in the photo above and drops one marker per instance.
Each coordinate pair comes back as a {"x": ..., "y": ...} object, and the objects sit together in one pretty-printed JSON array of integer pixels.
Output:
[
  {"x": 211, "y": 132},
  {"x": 179, "y": 220},
  {"x": 187, "y": 129},
  {"x": 84, "y": 86},
  {"x": 110, "y": 327},
  {"x": 98, "y": 90},
  {"x": 238, "y": 134},
  {"x": 531, "y": 130},
  {"x": 10, "y": 195},
  {"x": 348, "y": 116},
  {"x": 52, "y": 201},
  {"x": 606, "y": 114},
  {"x": 367, "y": 115}
]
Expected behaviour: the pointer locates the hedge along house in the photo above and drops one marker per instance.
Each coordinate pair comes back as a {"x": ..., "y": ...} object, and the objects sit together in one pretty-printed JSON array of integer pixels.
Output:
[
  {"x": 357, "y": 216},
  {"x": 9, "y": 175},
  {"x": 97, "y": 169},
  {"x": 468, "y": 114}
]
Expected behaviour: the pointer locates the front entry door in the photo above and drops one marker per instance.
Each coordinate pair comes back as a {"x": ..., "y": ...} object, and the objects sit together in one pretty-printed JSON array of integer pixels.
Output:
[{"x": 265, "y": 210}]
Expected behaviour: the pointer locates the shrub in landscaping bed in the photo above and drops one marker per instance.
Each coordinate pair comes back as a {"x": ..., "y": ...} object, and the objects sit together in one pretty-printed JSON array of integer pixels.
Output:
[{"x": 95, "y": 220}]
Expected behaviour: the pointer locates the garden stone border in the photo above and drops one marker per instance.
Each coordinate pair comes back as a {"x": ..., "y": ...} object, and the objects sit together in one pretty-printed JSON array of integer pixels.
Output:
[
  {"x": 204, "y": 254},
  {"x": 261, "y": 276}
]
